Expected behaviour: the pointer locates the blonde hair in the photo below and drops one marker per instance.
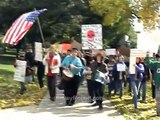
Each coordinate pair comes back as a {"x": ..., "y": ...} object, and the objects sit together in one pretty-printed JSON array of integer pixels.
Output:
[{"x": 121, "y": 56}]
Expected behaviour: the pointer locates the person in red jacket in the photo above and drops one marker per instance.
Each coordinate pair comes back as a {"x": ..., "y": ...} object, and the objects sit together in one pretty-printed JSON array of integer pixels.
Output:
[{"x": 52, "y": 62}]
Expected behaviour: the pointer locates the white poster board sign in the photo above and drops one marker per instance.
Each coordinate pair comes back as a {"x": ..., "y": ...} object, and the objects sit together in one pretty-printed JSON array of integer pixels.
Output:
[
  {"x": 38, "y": 51},
  {"x": 133, "y": 54},
  {"x": 148, "y": 40},
  {"x": 20, "y": 71},
  {"x": 137, "y": 53},
  {"x": 91, "y": 36},
  {"x": 111, "y": 51},
  {"x": 132, "y": 61},
  {"x": 121, "y": 67}
]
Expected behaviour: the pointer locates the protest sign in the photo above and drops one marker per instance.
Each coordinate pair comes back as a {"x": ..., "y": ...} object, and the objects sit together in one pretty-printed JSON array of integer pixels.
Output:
[
  {"x": 134, "y": 53},
  {"x": 111, "y": 51},
  {"x": 38, "y": 51},
  {"x": 91, "y": 36},
  {"x": 20, "y": 71},
  {"x": 121, "y": 67}
]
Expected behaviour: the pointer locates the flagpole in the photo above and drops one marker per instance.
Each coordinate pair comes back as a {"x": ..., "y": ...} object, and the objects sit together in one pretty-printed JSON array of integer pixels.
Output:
[{"x": 40, "y": 29}]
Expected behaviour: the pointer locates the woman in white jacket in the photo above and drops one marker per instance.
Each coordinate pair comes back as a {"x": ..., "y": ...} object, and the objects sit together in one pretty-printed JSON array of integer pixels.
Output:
[{"x": 52, "y": 62}]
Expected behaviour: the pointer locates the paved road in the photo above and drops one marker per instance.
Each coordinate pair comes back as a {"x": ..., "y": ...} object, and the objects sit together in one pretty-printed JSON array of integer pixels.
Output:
[{"x": 48, "y": 110}]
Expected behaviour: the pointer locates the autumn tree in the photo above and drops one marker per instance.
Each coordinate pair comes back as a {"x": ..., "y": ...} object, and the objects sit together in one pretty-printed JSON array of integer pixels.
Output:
[{"x": 124, "y": 11}]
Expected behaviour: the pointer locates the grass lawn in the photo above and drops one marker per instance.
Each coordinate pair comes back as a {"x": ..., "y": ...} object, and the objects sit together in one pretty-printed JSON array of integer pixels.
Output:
[
  {"x": 145, "y": 111},
  {"x": 9, "y": 89}
]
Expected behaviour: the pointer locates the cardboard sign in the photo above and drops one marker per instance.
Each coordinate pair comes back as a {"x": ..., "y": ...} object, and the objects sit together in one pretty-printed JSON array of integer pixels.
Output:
[
  {"x": 137, "y": 53},
  {"x": 121, "y": 67},
  {"x": 148, "y": 40},
  {"x": 133, "y": 54},
  {"x": 20, "y": 72},
  {"x": 111, "y": 51},
  {"x": 91, "y": 36},
  {"x": 131, "y": 65},
  {"x": 38, "y": 51}
]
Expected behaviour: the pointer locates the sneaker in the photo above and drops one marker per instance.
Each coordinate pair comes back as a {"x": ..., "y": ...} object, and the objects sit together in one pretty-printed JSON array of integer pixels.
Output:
[
  {"x": 100, "y": 108},
  {"x": 22, "y": 91},
  {"x": 70, "y": 104},
  {"x": 67, "y": 104},
  {"x": 91, "y": 101},
  {"x": 95, "y": 104},
  {"x": 52, "y": 98}
]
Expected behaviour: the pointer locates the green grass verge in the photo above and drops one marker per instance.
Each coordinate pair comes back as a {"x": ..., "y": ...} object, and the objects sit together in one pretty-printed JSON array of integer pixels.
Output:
[
  {"x": 9, "y": 89},
  {"x": 145, "y": 111}
]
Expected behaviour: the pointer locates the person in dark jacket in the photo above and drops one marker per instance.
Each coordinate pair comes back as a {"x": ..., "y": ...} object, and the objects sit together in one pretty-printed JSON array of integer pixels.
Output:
[
  {"x": 111, "y": 85},
  {"x": 40, "y": 73},
  {"x": 155, "y": 58},
  {"x": 28, "y": 72},
  {"x": 119, "y": 75},
  {"x": 29, "y": 57},
  {"x": 22, "y": 84},
  {"x": 99, "y": 73},
  {"x": 88, "y": 74}
]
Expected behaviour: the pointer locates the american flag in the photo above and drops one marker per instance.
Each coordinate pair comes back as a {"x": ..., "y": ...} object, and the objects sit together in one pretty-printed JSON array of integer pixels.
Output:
[{"x": 21, "y": 26}]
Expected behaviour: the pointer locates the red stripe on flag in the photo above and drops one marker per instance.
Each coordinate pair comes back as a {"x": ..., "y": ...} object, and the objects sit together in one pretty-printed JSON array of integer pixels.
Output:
[
  {"x": 17, "y": 31},
  {"x": 8, "y": 31},
  {"x": 20, "y": 36},
  {"x": 12, "y": 33},
  {"x": 7, "y": 39},
  {"x": 22, "y": 28}
]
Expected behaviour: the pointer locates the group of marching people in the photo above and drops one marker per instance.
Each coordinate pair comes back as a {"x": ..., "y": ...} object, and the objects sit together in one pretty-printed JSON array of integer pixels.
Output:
[{"x": 98, "y": 70}]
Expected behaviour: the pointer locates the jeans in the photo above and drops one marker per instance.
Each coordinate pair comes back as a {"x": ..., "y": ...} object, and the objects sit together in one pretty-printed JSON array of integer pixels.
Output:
[
  {"x": 129, "y": 85},
  {"x": 135, "y": 92},
  {"x": 143, "y": 90},
  {"x": 119, "y": 87}
]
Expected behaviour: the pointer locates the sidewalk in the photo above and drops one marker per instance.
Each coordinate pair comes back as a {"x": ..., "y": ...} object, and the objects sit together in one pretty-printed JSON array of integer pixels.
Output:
[{"x": 48, "y": 110}]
